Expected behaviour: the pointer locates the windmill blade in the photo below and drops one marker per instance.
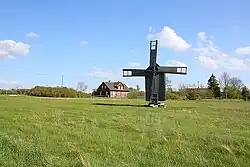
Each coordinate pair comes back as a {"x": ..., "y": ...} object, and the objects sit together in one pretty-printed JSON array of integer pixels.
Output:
[
  {"x": 133, "y": 72},
  {"x": 153, "y": 53},
  {"x": 172, "y": 70}
]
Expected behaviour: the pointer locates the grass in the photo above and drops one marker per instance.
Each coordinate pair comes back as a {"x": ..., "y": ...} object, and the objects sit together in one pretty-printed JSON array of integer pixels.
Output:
[{"x": 83, "y": 132}]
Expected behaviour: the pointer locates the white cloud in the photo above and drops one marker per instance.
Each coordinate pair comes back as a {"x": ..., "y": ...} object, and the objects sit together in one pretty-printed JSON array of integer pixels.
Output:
[
  {"x": 84, "y": 42},
  {"x": 176, "y": 63},
  {"x": 168, "y": 38},
  {"x": 134, "y": 64},
  {"x": 32, "y": 35},
  {"x": 9, "y": 48},
  {"x": 207, "y": 62},
  {"x": 210, "y": 56},
  {"x": 243, "y": 50},
  {"x": 4, "y": 84},
  {"x": 101, "y": 73},
  {"x": 150, "y": 28}
]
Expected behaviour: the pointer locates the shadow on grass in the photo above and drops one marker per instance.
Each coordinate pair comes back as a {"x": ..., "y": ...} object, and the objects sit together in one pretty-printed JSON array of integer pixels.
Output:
[{"x": 115, "y": 104}]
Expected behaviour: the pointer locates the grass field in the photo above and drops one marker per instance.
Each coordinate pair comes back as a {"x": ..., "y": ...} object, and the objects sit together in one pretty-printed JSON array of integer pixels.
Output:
[{"x": 83, "y": 132}]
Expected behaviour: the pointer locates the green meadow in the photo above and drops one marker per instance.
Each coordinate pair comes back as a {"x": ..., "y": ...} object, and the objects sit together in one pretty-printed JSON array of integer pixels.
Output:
[{"x": 123, "y": 133}]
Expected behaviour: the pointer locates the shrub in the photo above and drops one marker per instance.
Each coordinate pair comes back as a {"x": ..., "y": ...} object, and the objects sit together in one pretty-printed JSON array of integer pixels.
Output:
[
  {"x": 42, "y": 91},
  {"x": 132, "y": 95},
  {"x": 192, "y": 95},
  {"x": 176, "y": 95}
]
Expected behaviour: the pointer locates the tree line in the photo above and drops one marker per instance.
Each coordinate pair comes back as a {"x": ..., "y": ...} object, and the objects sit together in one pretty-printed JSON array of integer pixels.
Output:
[
  {"x": 226, "y": 87},
  {"x": 46, "y": 91}
]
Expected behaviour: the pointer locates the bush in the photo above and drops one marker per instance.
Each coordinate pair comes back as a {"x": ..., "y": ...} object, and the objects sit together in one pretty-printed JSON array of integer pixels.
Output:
[
  {"x": 175, "y": 96},
  {"x": 192, "y": 95},
  {"x": 132, "y": 95},
  {"x": 83, "y": 95},
  {"x": 42, "y": 91}
]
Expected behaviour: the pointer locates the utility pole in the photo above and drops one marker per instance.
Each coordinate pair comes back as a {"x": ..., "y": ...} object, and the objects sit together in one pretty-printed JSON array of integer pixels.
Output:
[{"x": 62, "y": 81}]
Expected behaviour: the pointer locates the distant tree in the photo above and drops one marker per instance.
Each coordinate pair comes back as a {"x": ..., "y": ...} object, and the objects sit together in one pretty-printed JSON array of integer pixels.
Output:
[
  {"x": 202, "y": 86},
  {"x": 237, "y": 84},
  {"x": 168, "y": 83},
  {"x": 245, "y": 93},
  {"x": 131, "y": 89},
  {"x": 137, "y": 88},
  {"x": 132, "y": 95},
  {"x": 192, "y": 95},
  {"x": 182, "y": 87},
  {"x": 224, "y": 82},
  {"x": 231, "y": 92},
  {"x": 43, "y": 91},
  {"x": 213, "y": 85},
  {"x": 81, "y": 87}
]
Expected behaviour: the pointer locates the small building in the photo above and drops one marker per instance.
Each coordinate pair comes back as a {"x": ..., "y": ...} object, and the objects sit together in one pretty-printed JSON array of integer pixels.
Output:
[{"x": 112, "y": 89}]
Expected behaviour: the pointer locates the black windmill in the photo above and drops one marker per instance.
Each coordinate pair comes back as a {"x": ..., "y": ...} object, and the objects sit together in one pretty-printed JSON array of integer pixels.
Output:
[{"x": 155, "y": 77}]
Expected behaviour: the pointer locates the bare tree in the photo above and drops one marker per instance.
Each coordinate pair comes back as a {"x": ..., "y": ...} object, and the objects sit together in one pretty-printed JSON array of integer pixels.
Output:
[
  {"x": 202, "y": 86},
  {"x": 182, "y": 87},
  {"x": 168, "y": 83},
  {"x": 81, "y": 87},
  {"x": 236, "y": 83},
  {"x": 224, "y": 82}
]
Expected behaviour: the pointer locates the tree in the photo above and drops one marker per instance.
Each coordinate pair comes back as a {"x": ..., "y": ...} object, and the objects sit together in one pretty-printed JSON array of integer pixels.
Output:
[
  {"x": 245, "y": 93},
  {"x": 168, "y": 83},
  {"x": 182, "y": 87},
  {"x": 202, "y": 86},
  {"x": 213, "y": 85},
  {"x": 137, "y": 88},
  {"x": 131, "y": 89},
  {"x": 81, "y": 87},
  {"x": 224, "y": 82},
  {"x": 237, "y": 84},
  {"x": 231, "y": 92}
]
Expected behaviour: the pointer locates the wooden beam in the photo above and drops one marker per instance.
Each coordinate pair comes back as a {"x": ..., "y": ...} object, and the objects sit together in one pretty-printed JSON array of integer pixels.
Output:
[
  {"x": 172, "y": 70},
  {"x": 134, "y": 72}
]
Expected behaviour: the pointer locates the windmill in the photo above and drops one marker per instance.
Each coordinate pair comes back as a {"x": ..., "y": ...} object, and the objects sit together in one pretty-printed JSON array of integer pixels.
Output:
[{"x": 155, "y": 77}]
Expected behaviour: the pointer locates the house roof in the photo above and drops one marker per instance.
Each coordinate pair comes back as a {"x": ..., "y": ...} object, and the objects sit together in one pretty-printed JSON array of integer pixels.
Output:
[{"x": 112, "y": 86}]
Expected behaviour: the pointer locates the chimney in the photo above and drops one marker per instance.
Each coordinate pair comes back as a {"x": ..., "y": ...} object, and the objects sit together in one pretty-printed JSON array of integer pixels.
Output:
[{"x": 109, "y": 80}]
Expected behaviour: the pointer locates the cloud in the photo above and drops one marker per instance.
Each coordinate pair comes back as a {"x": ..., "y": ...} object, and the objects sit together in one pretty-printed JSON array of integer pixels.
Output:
[
  {"x": 150, "y": 28},
  {"x": 176, "y": 63},
  {"x": 243, "y": 50},
  {"x": 9, "y": 48},
  {"x": 101, "y": 73},
  {"x": 211, "y": 56},
  {"x": 32, "y": 35},
  {"x": 168, "y": 38},
  {"x": 134, "y": 64},
  {"x": 4, "y": 84},
  {"x": 84, "y": 42}
]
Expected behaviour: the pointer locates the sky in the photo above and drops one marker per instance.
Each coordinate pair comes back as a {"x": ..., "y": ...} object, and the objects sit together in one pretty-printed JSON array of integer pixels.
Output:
[{"x": 92, "y": 41}]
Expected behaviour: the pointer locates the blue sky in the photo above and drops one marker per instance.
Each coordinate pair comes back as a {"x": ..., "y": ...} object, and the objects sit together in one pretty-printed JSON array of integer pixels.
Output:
[{"x": 92, "y": 41}]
